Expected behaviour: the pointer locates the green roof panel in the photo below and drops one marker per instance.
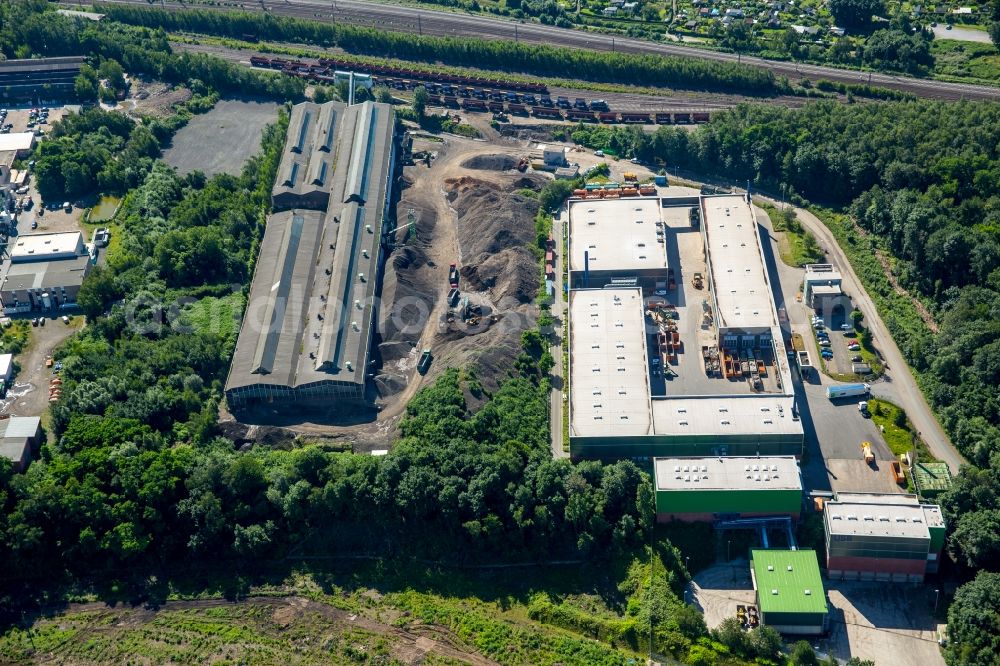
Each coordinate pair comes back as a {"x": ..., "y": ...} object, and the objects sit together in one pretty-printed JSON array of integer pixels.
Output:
[{"x": 772, "y": 573}]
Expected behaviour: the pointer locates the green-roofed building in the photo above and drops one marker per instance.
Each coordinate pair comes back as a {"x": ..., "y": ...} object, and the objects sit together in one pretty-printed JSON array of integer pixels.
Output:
[{"x": 790, "y": 593}]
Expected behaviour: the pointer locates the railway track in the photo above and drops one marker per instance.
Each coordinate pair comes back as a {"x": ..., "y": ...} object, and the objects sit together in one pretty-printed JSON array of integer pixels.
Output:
[
  {"x": 447, "y": 24},
  {"x": 481, "y": 95}
]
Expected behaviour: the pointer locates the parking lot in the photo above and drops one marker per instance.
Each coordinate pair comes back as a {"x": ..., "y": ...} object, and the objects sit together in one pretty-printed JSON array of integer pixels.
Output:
[
  {"x": 221, "y": 140},
  {"x": 19, "y": 119},
  {"x": 834, "y": 430},
  {"x": 831, "y": 335}
]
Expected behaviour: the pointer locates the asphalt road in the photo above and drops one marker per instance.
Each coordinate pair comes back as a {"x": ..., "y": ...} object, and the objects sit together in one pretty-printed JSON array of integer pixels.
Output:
[
  {"x": 449, "y": 24},
  {"x": 903, "y": 389}
]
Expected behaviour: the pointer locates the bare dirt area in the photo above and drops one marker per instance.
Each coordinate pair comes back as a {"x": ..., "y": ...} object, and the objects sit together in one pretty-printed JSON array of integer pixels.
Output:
[
  {"x": 154, "y": 98},
  {"x": 264, "y": 630},
  {"x": 28, "y": 395},
  {"x": 481, "y": 224},
  {"x": 221, "y": 140}
]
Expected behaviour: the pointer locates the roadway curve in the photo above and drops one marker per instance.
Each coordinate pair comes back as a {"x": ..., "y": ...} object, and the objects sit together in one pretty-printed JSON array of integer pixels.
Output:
[
  {"x": 449, "y": 24},
  {"x": 904, "y": 385}
]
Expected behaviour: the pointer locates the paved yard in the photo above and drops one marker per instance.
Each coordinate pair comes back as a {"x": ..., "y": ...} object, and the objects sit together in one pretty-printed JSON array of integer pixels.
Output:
[
  {"x": 717, "y": 590},
  {"x": 221, "y": 140},
  {"x": 889, "y": 624}
]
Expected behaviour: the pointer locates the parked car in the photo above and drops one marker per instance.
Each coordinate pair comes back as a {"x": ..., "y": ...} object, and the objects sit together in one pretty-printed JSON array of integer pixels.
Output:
[
  {"x": 34, "y": 224},
  {"x": 854, "y": 347},
  {"x": 857, "y": 359},
  {"x": 65, "y": 319},
  {"x": 824, "y": 343},
  {"x": 846, "y": 327},
  {"x": 598, "y": 153}
]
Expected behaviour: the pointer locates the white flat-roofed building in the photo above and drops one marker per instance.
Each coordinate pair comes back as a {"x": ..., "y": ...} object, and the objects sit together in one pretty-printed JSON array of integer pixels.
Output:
[
  {"x": 889, "y": 537},
  {"x": 623, "y": 400},
  {"x": 44, "y": 273},
  {"x": 45, "y": 247},
  {"x": 728, "y": 473},
  {"x": 762, "y": 417},
  {"x": 738, "y": 277},
  {"x": 18, "y": 143},
  {"x": 721, "y": 488},
  {"x": 616, "y": 238},
  {"x": 608, "y": 371},
  {"x": 821, "y": 282}
]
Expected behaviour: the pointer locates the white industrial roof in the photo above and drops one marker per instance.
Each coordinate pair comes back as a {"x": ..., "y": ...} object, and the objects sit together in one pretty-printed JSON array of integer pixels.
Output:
[
  {"x": 16, "y": 141},
  {"x": 739, "y": 276},
  {"x": 608, "y": 367},
  {"x": 618, "y": 234},
  {"x": 43, "y": 245},
  {"x": 753, "y": 414},
  {"x": 19, "y": 426},
  {"x": 886, "y": 515},
  {"x": 6, "y": 363},
  {"x": 822, "y": 273},
  {"x": 725, "y": 473}
]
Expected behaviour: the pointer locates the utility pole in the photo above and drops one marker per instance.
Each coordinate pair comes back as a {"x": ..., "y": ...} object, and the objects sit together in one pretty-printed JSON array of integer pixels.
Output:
[
  {"x": 612, "y": 44},
  {"x": 420, "y": 28},
  {"x": 515, "y": 33}
]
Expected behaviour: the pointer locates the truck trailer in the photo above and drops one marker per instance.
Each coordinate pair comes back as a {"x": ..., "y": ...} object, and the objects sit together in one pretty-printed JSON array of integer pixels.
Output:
[{"x": 847, "y": 390}]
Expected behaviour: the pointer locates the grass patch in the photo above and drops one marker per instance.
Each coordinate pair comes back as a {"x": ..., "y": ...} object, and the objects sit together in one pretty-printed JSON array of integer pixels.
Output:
[
  {"x": 218, "y": 316},
  {"x": 571, "y": 615},
  {"x": 796, "y": 246},
  {"x": 887, "y": 417},
  {"x": 14, "y": 338},
  {"x": 966, "y": 60},
  {"x": 897, "y": 430}
]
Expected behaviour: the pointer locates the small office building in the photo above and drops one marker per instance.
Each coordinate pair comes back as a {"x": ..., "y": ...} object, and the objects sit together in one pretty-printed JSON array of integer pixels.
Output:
[
  {"x": 709, "y": 489},
  {"x": 822, "y": 283},
  {"x": 44, "y": 272},
  {"x": 883, "y": 537},
  {"x": 789, "y": 589}
]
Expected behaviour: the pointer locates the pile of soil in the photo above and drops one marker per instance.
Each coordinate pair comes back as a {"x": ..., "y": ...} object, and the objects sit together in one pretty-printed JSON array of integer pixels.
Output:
[
  {"x": 494, "y": 231},
  {"x": 490, "y": 163}
]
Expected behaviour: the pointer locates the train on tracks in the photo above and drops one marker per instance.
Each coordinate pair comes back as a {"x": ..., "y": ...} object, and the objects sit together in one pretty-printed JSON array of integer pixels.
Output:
[{"x": 480, "y": 94}]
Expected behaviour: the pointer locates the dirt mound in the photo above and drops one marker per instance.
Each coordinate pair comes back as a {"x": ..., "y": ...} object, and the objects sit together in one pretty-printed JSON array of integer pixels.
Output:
[
  {"x": 510, "y": 275},
  {"x": 490, "y": 217},
  {"x": 490, "y": 163}
]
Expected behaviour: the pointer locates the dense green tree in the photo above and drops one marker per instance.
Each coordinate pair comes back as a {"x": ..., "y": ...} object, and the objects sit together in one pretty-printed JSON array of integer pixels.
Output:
[
  {"x": 975, "y": 541},
  {"x": 973, "y": 618},
  {"x": 855, "y": 13},
  {"x": 85, "y": 84},
  {"x": 802, "y": 654},
  {"x": 420, "y": 99}
]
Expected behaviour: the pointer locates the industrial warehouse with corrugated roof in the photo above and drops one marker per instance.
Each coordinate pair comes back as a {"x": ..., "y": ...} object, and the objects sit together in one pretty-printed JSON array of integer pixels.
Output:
[
  {"x": 306, "y": 336},
  {"x": 632, "y": 391}
]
